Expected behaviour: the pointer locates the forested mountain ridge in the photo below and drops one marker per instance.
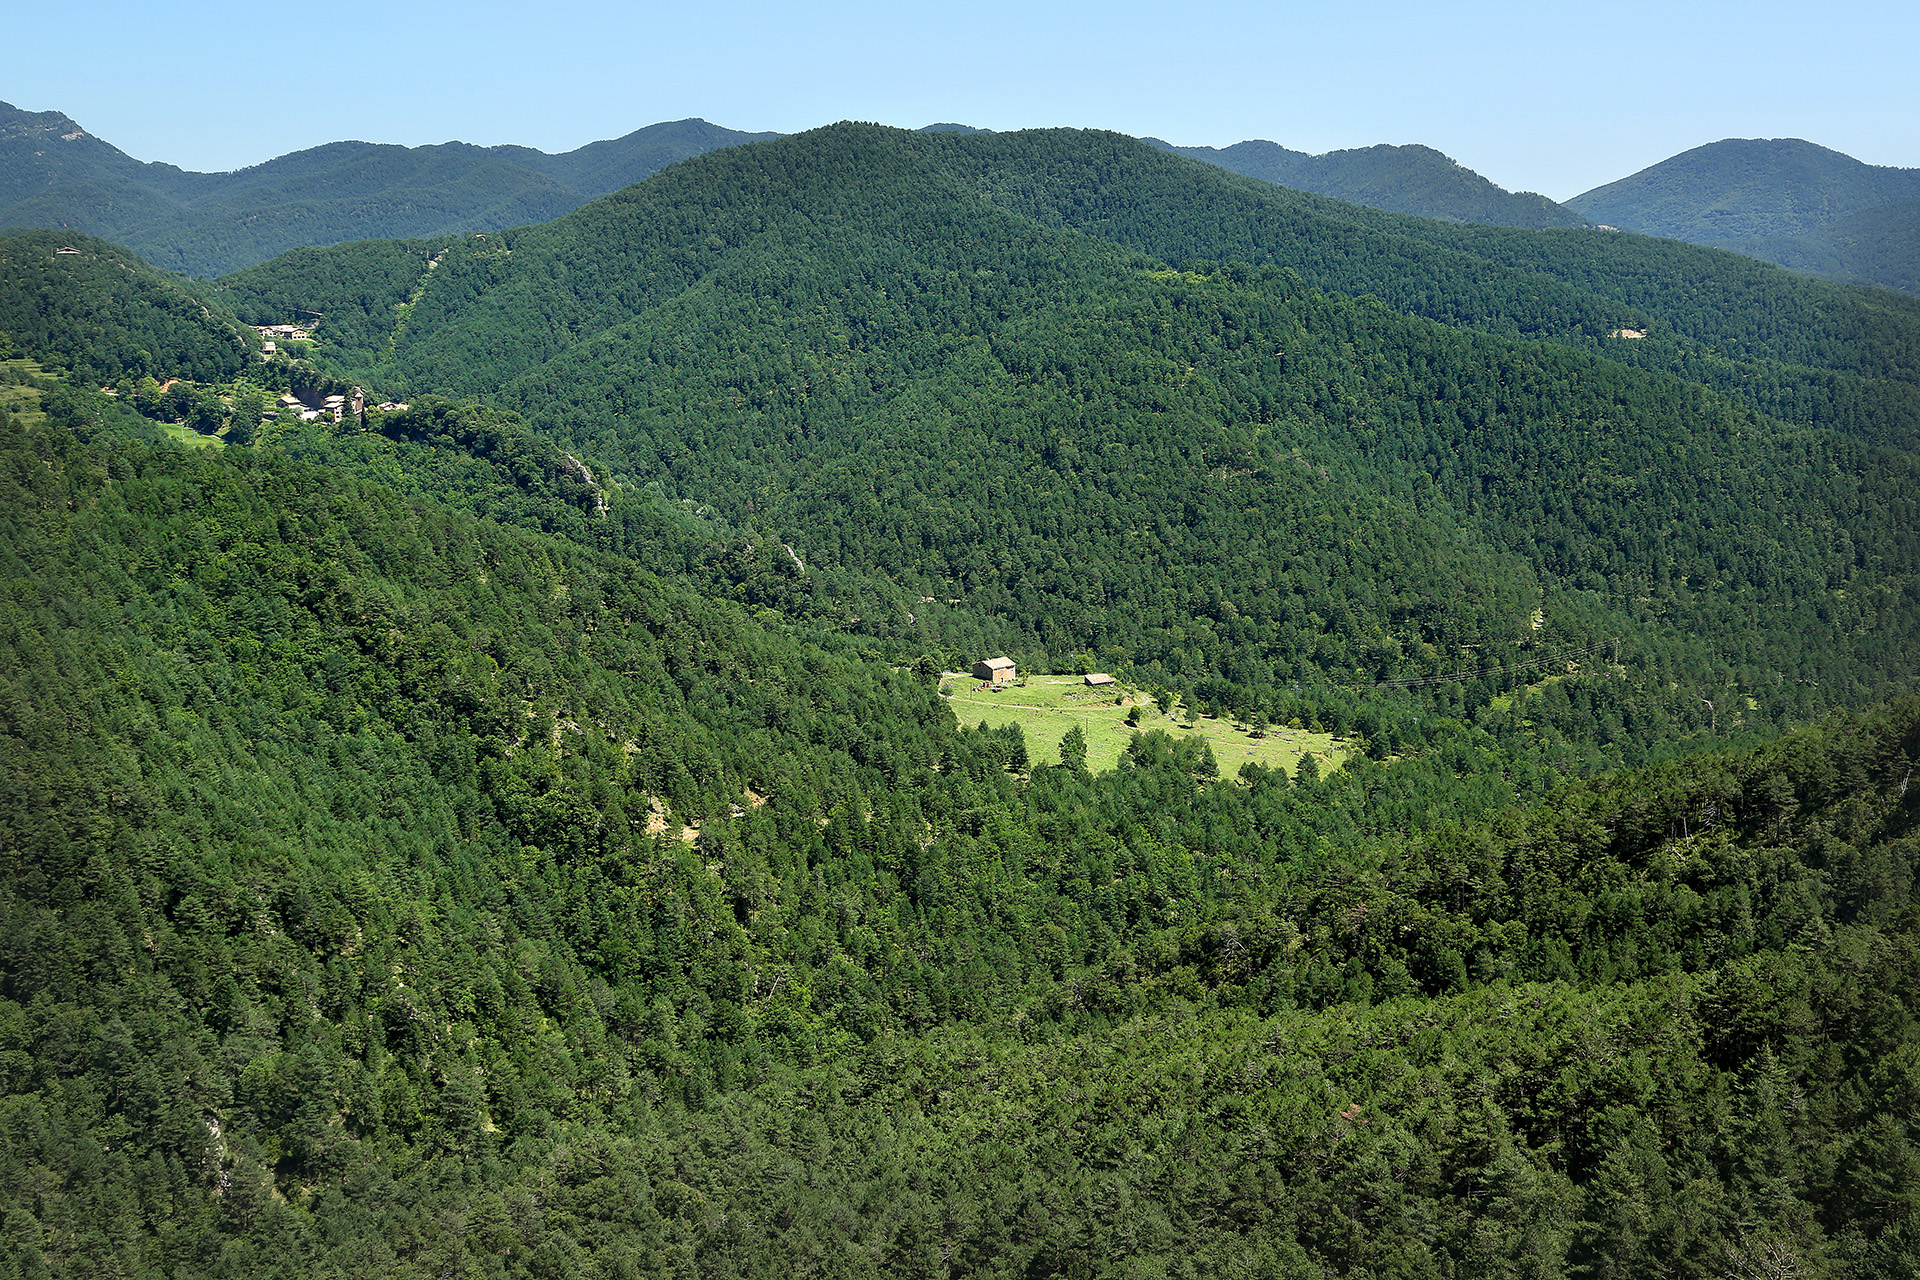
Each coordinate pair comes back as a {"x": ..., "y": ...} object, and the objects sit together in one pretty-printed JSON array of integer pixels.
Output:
[
  {"x": 1798, "y": 348},
  {"x": 1561, "y": 284},
  {"x": 54, "y": 174},
  {"x": 941, "y": 360},
  {"x": 1413, "y": 180},
  {"x": 1783, "y": 200}
]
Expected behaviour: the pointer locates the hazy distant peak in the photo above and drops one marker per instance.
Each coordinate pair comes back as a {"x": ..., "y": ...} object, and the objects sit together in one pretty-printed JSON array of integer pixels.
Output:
[
  {"x": 1794, "y": 147},
  {"x": 55, "y": 125},
  {"x": 1410, "y": 178},
  {"x": 1769, "y": 173},
  {"x": 952, "y": 128},
  {"x": 1748, "y": 189},
  {"x": 55, "y": 174}
]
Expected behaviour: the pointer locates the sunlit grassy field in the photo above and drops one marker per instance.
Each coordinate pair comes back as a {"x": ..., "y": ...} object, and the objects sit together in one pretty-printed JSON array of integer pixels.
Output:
[
  {"x": 187, "y": 436},
  {"x": 23, "y": 402},
  {"x": 1046, "y": 707}
]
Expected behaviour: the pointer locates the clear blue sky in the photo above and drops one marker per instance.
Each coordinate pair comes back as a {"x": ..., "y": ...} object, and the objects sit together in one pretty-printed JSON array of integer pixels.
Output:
[{"x": 1541, "y": 96}]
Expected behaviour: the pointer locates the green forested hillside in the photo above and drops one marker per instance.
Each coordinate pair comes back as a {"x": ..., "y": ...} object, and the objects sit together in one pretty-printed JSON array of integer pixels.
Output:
[
  {"x": 359, "y": 294},
  {"x": 338, "y": 942},
  {"x": 1786, "y": 335},
  {"x": 1413, "y": 180},
  {"x": 936, "y": 360},
  {"x": 104, "y": 314},
  {"x": 1572, "y": 286},
  {"x": 520, "y": 834}
]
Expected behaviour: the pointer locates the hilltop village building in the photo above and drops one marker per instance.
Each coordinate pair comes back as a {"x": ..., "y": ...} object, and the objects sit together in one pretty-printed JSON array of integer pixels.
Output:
[
  {"x": 311, "y": 405},
  {"x": 994, "y": 671}
]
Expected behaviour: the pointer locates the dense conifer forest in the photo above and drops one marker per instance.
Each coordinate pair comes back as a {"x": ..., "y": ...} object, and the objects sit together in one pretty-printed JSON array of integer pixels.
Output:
[{"x": 521, "y": 834}]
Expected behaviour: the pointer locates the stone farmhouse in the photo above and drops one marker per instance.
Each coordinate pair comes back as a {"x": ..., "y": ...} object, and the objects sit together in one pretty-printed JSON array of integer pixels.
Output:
[{"x": 994, "y": 671}]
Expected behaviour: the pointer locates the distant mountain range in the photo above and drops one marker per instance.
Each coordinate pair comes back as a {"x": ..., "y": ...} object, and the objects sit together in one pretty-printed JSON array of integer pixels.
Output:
[
  {"x": 1783, "y": 200},
  {"x": 1413, "y": 180},
  {"x": 54, "y": 174}
]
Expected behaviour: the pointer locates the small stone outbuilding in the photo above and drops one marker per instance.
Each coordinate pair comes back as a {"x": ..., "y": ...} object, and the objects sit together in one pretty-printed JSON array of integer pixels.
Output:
[
  {"x": 1099, "y": 680},
  {"x": 994, "y": 670}
]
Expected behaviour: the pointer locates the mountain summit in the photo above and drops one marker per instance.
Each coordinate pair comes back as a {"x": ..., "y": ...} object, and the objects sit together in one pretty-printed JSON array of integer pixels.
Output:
[
  {"x": 1783, "y": 200},
  {"x": 1415, "y": 180}
]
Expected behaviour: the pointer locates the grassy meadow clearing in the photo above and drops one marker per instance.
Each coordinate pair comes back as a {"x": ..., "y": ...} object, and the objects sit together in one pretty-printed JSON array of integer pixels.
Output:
[{"x": 1047, "y": 706}]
